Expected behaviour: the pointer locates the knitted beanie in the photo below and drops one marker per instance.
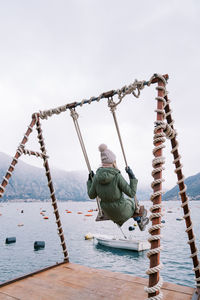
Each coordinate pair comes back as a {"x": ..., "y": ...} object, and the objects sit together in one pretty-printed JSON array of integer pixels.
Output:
[{"x": 107, "y": 156}]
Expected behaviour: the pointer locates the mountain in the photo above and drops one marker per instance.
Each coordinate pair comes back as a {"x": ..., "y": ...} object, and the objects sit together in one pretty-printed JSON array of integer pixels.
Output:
[
  {"x": 193, "y": 189},
  {"x": 30, "y": 183}
]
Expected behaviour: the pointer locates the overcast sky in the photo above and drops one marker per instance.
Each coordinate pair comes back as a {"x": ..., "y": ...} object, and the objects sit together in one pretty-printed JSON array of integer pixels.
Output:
[{"x": 55, "y": 52}]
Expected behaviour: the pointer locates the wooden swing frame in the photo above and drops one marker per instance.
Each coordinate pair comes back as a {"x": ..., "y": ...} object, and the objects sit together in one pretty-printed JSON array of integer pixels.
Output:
[{"x": 155, "y": 243}]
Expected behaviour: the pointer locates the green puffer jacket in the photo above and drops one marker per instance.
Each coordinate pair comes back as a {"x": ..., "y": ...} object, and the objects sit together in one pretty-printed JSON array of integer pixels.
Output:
[{"x": 109, "y": 185}]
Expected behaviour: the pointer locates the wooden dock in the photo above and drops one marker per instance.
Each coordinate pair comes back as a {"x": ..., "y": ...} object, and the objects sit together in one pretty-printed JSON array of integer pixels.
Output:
[{"x": 74, "y": 282}]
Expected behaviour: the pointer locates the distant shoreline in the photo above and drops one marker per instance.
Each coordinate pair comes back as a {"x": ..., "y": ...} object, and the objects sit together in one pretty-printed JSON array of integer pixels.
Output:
[
  {"x": 42, "y": 201},
  {"x": 70, "y": 200}
]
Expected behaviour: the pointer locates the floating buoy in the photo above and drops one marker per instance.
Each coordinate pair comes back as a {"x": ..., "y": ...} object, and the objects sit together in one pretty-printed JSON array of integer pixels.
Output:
[
  {"x": 91, "y": 210},
  {"x": 22, "y": 211},
  {"x": 20, "y": 224},
  {"x": 131, "y": 228},
  {"x": 69, "y": 212},
  {"x": 39, "y": 245},
  {"x": 88, "y": 215},
  {"x": 79, "y": 213},
  {"x": 134, "y": 224},
  {"x": 10, "y": 240},
  {"x": 46, "y": 218},
  {"x": 162, "y": 221},
  {"x": 89, "y": 236}
]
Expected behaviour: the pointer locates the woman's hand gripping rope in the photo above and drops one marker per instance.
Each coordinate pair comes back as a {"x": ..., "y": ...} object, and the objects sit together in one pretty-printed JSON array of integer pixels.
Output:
[
  {"x": 129, "y": 172},
  {"x": 91, "y": 175}
]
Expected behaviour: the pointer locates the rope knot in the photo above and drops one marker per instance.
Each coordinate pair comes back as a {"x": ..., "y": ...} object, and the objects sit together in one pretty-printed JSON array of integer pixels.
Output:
[
  {"x": 74, "y": 114},
  {"x": 112, "y": 104}
]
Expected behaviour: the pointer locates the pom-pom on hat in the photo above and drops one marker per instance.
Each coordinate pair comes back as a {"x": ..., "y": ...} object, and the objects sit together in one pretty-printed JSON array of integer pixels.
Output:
[{"x": 107, "y": 156}]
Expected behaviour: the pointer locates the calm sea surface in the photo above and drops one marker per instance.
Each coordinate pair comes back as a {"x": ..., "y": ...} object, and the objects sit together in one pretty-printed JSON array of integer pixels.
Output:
[{"x": 20, "y": 258}]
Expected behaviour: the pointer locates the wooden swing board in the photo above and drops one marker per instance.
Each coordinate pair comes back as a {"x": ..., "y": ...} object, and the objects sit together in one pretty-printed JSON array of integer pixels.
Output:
[
  {"x": 72, "y": 281},
  {"x": 105, "y": 218}
]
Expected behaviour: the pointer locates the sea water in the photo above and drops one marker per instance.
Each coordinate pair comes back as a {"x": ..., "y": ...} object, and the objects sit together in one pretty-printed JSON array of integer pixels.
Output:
[{"x": 20, "y": 258}]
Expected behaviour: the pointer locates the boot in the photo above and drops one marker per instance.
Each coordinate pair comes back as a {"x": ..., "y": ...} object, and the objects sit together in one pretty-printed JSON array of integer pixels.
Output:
[{"x": 144, "y": 220}]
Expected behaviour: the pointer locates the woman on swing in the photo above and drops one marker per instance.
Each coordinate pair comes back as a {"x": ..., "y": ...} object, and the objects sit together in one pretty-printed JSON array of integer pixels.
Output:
[{"x": 110, "y": 186}]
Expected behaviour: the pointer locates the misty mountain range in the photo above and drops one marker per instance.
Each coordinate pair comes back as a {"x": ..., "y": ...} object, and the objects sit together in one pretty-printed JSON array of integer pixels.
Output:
[
  {"x": 29, "y": 183},
  {"x": 193, "y": 189}
]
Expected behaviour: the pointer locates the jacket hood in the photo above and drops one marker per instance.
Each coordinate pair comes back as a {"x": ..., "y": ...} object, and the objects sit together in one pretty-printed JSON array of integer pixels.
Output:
[{"x": 106, "y": 175}]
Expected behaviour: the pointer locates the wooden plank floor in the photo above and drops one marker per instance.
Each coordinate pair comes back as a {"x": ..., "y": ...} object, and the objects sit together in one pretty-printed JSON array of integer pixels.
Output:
[{"x": 74, "y": 282}]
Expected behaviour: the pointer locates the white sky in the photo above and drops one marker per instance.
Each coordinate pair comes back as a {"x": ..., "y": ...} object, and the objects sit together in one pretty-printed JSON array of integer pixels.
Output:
[{"x": 55, "y": 52}]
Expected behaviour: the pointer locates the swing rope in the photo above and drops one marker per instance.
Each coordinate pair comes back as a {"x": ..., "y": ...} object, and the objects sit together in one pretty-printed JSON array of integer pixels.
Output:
[
  {"x": 75, "y": 117},
  {"x": 122, "y": 232},
  {"x": 113, "y": 106}
]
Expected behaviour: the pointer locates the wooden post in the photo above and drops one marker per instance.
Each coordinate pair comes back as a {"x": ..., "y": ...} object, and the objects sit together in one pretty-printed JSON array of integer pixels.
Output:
[
  {"x": 155, "y": 258},
  {"x": 183, "y": 195},
  {"x": 16, "y": 157},
  {"x": 51, "y": 188}
]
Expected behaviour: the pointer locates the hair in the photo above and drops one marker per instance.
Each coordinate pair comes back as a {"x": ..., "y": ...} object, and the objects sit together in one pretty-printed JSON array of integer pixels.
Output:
[{"x": 115, "y": 165}]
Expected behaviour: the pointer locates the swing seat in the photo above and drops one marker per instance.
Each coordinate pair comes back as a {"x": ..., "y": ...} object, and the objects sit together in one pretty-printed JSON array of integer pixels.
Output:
[
  {"x": 105, "y": 218},
  {"x": 102, "y": 217}
]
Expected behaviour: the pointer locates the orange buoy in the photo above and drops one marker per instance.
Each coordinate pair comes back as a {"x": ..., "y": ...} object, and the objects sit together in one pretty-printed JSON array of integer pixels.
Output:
[
  {"x": 68, "y": 212},
  {"x": 91, "y": 210},
  {"x": 45, "y": 218},
  {"x": 79, "y": 212},
  {"x": 88, "y": 215}
]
